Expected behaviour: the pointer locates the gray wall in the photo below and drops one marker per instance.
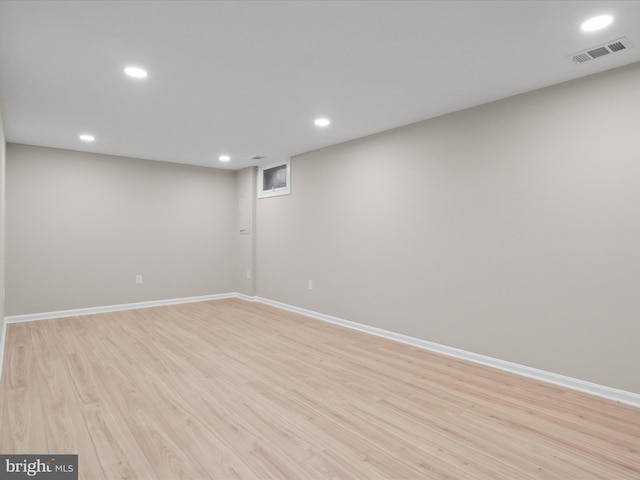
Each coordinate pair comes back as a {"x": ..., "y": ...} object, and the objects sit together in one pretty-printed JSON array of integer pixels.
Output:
[
  {"x": 2, "y": 223},
  {"x": 81, "y": 226},
  {"x": 246, "y": 230},
  {"x": 510, "y": 229}
]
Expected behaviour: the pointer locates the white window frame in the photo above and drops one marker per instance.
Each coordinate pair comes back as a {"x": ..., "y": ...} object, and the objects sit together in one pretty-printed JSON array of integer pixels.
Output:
[{"x": 274, "y": 192}]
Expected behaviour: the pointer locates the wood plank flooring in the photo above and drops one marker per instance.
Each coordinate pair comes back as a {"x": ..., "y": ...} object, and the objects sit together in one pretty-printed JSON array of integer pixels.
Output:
[{"x": 236, "y": 390}]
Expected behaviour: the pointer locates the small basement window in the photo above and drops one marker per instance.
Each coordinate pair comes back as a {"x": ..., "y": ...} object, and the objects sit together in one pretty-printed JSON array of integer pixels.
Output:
[{"x": 274, "y": 179}]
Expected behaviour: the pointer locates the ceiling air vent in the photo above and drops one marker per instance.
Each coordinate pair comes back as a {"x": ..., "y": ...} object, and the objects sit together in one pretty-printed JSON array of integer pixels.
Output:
[
  {"x": 256, "y": 157},
  {"x": 601, "y": 50}
]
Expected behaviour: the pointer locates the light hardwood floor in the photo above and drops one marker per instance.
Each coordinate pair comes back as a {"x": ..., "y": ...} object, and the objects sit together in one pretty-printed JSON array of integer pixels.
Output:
[{"x": 231, "y": 389}]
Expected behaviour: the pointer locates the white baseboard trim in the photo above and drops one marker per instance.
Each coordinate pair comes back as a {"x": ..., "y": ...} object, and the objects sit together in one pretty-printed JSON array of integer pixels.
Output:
[
  {"x": 95, "y": 310},
  {"x": 248, "y": 298},
  {"x": 3, "y": 335},
  {"x": 622, "y": 396},
  {"x": 113, "y": 308}
]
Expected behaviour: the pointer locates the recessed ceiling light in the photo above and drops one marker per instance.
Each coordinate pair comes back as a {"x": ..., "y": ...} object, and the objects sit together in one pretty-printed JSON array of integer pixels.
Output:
[
  {"x": 322, "y": 122},
  {"x": 224, "y": 158},
  {"x": 136, "y": 72},
  {"x": 596, "y": 23},
  {"x": 87, "y": 137}
]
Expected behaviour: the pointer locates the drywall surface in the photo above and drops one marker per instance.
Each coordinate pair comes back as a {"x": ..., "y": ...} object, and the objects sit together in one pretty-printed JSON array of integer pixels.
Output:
[
  {"x": 510, "y": 230},
  {"x": 81, "y": 227},
  {"x": 246, "y": 230},
  {"x": 2, "y": 224}
]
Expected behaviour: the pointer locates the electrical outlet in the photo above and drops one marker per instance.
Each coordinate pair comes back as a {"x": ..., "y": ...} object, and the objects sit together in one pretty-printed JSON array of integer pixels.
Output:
[
  {"x": 138, "y": 278},
  {"x": 310, "y": 285}
]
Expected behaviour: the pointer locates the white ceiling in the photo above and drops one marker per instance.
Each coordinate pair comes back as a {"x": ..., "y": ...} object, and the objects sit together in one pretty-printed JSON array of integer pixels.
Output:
[{"x": 248, "y": 78}]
